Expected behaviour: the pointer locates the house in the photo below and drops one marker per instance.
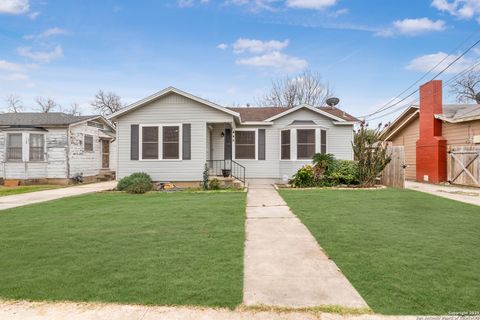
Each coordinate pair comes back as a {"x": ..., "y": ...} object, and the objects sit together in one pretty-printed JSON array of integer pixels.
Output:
[
  {"x": 55, "y": 147},
  {"x": 429, "y": 130},
  {"x": 172, "y": 134}
]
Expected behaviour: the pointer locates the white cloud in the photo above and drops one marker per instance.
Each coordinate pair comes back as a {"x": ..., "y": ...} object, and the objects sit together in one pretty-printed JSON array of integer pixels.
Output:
[
  {"x": 14, "y": 6},
  {"x": 255, "y": 5},
  {"x": 463, "y": 9},
  {"x": 412, "y": 27},
  {"x": 258, "y": 46},
  {"x": 339, "y": 12},
  {"x": 47, "y": 33},
  {"x": 34, "y": 15},
  {"x": 15, "y": 77},
  {"x": 222, "y": 46},
  {"x": 10, "y": 66},
  {"x": 190, "y": 3},
  {"x": 427, "y": 62},
  {"x": 310, "y": 4},
  {"x": 275, "y": 60},
  {"x": 41, "y": 56}
]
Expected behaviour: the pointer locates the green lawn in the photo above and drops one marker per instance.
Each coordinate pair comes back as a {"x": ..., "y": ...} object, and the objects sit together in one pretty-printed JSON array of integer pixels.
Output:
[
  {"x": 158, "y": 248},
  {"x": 7, "y": 191},
  {"x": 406, "y": 252}
]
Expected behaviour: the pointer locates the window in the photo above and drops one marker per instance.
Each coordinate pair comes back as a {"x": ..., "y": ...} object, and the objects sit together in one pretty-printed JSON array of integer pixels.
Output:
[
  {"x": 285, "y": 145},
  {"x": 323, "y": 141},
  {"x": 305, "y": 143},
  {"x": 14, "y": 147},
  {"x": 88, "y": 143},
  {"x": 149, "y": 142},
  {"x": 245, "y": 144},
  {"x": 37, "y": 143},
  {"x": 171, "y": 146}
]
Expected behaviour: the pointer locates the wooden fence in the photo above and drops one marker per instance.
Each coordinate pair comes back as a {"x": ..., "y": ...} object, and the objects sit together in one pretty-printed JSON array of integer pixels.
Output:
[
  {"x": 463, "y": 165},
  {"x": 394, "y": 173}
]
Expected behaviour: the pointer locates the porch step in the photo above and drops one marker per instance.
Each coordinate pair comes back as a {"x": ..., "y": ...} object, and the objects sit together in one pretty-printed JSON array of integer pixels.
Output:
[{"x": 106, "y": 175}]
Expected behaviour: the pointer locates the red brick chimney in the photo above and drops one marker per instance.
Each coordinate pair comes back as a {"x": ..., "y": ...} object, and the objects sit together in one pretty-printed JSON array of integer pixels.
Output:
[{"x": 431, "y": 146}]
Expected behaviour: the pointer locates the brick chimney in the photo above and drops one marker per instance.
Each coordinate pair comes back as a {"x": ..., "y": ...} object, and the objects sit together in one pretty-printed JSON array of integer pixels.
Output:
[{"x": 431, "y": 146}]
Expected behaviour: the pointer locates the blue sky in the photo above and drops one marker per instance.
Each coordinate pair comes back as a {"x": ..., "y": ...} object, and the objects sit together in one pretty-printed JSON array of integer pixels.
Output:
[{"x": 227, "y": 51}]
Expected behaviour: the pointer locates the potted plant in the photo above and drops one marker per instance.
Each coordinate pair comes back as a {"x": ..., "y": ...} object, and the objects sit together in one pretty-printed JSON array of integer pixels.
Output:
[{"x": 226, "y": 172}]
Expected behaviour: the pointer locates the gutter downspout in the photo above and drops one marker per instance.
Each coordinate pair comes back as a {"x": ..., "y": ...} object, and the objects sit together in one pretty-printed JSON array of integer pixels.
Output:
[{"x": 68, "y": 152}]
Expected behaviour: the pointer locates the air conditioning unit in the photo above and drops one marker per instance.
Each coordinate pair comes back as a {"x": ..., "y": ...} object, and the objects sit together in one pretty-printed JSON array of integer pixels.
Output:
[{"x": 476, "y": 139}]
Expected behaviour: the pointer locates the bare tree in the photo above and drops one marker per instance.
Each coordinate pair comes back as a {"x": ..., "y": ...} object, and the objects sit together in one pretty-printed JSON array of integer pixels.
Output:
[
  {"x": 74, "y": 110},
  {"x": 107, "y": 102},
  {"x": 306, "y": 88},
  {"x": 14, "y": 103},
  {"x": 46, "y": 104},
  {"x": 466, "y": 87}
]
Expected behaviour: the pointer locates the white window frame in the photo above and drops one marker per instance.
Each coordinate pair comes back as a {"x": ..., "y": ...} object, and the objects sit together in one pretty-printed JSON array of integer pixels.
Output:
[
  {"x": 160, "y": 141},
  {"x": 26, "y": 147},
  {"x": 44, "y": 145},
  {"x": 293, "y": 141},
  {"x": 93, "y": 142},
  {"x": 234, "y": 144}
]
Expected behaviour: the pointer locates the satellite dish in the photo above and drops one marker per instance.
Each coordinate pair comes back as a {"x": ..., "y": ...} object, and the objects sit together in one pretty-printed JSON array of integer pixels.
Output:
[
  {"x": 332, "y": 102},
  {"x": 477, "y": 97}
]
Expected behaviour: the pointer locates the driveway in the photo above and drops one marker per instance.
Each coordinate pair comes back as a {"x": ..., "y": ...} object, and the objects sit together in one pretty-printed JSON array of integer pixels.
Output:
[
  {"x": 284, "y": 265},
  {"x": 462, "y": 194},
  {"x": 47, "y": 195}
]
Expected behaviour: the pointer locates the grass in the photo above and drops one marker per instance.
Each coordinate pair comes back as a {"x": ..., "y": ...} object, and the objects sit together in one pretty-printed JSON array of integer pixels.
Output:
[
  {"x": 159, "y": 249},
  {"x": 8, "y": 191},
  {"x": 406, "y": 252}
]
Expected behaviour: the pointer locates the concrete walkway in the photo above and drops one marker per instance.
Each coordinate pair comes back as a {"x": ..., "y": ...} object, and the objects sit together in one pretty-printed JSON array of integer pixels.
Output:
[
  {"x": 463, "y": 194},
  {"x": 23, "y": 310},
  {"x": 284, "y": 265},
  {"x": 19, "y": 200}
]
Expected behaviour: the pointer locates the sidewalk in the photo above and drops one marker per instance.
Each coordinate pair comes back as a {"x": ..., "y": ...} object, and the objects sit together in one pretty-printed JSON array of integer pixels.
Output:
[
  {"x": 463, "y": 194},
  {"x": 284, "y": 265},
  {"x": 23, "y": 310},
  {"x": 19, "y": 200}
]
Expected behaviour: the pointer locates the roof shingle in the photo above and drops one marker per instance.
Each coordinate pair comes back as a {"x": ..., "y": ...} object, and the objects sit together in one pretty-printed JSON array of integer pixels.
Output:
[
  {"x": 263, "y": 113},
  {"x": 40, "y": 119}
]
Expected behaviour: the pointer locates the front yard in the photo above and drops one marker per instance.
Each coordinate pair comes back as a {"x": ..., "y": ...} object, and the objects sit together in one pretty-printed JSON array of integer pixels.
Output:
[
  {"x": 406, "y": 252},
  {"x": 8, "y": 191},
  {"x": 165, "y": 249}
]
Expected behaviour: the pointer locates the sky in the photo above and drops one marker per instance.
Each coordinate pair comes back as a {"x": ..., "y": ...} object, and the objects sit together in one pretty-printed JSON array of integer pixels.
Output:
[{"x": 229, "y": 51}]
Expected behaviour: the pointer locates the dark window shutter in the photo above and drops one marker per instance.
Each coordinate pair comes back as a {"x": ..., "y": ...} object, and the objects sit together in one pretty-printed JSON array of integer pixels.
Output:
[
  {"x": 186, "y": 141},
  {"x": 261, "y": 144},
  {"x": 323, "y": 141},
  {"x": 134, "y": 142}
]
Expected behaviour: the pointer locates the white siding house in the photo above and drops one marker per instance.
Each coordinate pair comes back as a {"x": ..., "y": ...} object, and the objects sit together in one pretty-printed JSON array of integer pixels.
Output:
[
  {"x": 171, "y": 135},
  {"x": 54, "y": 147}
]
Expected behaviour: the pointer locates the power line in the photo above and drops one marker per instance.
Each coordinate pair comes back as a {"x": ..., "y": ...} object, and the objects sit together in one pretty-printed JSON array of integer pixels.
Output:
[
  {"x": 386, "y": 106},
  {"x": 471, "y": 67}
]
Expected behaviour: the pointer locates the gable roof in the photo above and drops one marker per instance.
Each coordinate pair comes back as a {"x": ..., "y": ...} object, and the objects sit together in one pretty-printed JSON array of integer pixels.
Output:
[
  {"x": 40, "y": 119},
  {"x": 164, "y": 92},
  {"x": 271, "y": 113},
  {"x": 459, "y": 112},
  {"x": 400, "y": 122}
]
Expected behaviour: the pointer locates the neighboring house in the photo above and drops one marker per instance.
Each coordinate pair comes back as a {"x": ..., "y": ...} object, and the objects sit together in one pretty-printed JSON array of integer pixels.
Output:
[
  {"x": 428, "y": 130},
  {"x": 55, "y": 147},
  {"x": 172, "y": 134}
]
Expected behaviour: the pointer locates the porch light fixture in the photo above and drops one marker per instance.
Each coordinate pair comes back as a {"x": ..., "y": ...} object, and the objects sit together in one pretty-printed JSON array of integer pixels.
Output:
[{"x": 222, "y": 134}]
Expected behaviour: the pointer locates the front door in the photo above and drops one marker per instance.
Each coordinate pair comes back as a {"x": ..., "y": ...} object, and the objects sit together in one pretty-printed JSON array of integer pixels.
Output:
[
  {"x": 228, "y": 144},
  {"x": 105, "y": 154}
]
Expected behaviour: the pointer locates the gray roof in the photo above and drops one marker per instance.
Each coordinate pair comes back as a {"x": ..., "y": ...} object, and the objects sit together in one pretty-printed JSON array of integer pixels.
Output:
[
  {"x": 40, "y": 119},
  {"x": 461, "y": 111}
]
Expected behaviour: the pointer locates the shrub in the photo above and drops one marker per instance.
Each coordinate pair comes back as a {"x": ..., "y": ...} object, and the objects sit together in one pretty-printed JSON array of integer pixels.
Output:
[
  {"x": 305, "y": 177},
  {"x": 138, "y": 182},
  {"x": 321, "y": 163},
  {"x": 214, "y": 184},
  {"x": 371, "y": 153},
  {"x": 343, "y": 172}
]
